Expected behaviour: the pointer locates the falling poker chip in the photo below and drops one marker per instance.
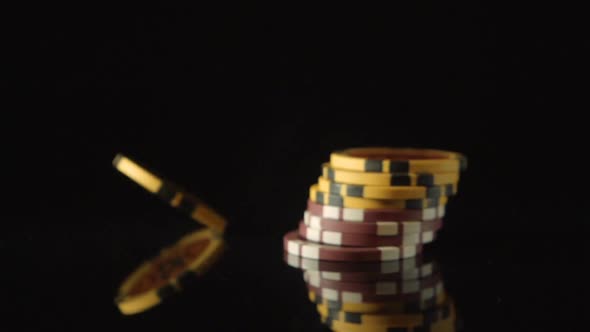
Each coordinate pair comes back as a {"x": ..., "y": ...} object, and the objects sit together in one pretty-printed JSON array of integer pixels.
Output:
[
  {"x": 175, "y": 266},
  {"x": 171, "y": 193}
]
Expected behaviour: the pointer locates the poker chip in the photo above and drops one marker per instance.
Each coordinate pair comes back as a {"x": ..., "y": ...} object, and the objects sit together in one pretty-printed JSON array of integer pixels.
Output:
[
  {"x": 165, "y": 274},
  {"x": 369, "y": 319},
  {"x": 444, "y": 325},
  {"x": 421, "y": 318},
  {"x": 405, "y": 269},
  {"x": 363, "y": 240},
  {"x": 388, "y": 179},
  {"x": 365, "y": 203},
  {"x": 366, "y": 277},
  {"x": 382, "y": 287},
  {"x": 294, "y": 245},
  {"x": 381, "y": 228},
  {"x": 171, "y": 193},
  {"x": 361, "y": 297},
  {"x": 399, "y": 306},
  {"x": 394, "y": 160},
  {"x": 441, "y": 318},
  {"x": 386, "y": 192},
  {"x": 390, "y": 266},
  {"x": 373, "y": 215}
]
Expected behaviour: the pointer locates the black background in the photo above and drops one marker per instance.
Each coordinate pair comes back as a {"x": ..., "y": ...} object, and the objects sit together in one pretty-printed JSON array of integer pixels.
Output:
[{"x": 242, "y": 104}]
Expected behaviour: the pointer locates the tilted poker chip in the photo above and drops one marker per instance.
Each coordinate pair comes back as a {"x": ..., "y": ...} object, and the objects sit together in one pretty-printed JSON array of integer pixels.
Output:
[
  {"x": 363, "y": 240},
  {"x": 170, "y": 193},
  {"x": 386, "y": 192},
  {"x": 326, "y": 198},
  {"x": 337, "y": 213},
  {"x": 388, "y": 179},
  {"x": 398, "y": 160},
  {"x": 294, "y": 245},
  {"x": 380, "y": 228},
  {"x": 162, "y": 276}
]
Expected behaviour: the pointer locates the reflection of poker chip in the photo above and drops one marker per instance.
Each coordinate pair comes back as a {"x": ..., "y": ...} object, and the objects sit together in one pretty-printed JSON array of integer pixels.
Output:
[
  {"x": 394, "y": 160},
  {"x": 385, "y": 287},
  {"x": 388, "y": 179},
  {"x": 439, "y": 319},
  {"x": 400, "y": 306},
  {"x": 170, "y": 193},
  {"x": 373, "y": 215},
  {"x": 162, "y": 276},
  {"x": 360, "y": 297},
  {"x": 293, "y": 245},
  {"x": 326, "y": 198},
  {"x": 381, "y": 228},
  {"x": 406, "y": 269},
  {"x": 363, "y": 240},
  {"x": 445, "y": 325},
  {"x": 421, "y": 318},
  {"x": 386, "y": 192}
]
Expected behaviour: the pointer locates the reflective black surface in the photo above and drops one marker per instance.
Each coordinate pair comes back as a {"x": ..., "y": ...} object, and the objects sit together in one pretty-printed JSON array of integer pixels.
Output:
[
  {"x": 511, "y": 283},
  {"x": 242, "y": 105}
]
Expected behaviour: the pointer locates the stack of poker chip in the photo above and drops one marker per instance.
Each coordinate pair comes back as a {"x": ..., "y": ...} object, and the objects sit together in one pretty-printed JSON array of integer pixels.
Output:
[
  {"x": 361, "y": 238},
  {"x": 376, "y": 204}
]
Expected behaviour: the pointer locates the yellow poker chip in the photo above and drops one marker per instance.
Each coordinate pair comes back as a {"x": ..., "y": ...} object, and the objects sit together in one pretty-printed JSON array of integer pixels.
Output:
[
  {"x": 170, "y": 193},
  {"x": 162, "y": 276},
  {"x": 326, "y": 198},
  {"x": 398, "y": 160},
  {"x": 386, "y": 192},
  {"x": 387, "y": 179}
]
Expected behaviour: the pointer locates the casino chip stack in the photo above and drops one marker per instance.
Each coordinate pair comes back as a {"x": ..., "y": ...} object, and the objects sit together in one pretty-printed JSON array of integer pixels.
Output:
[
  {"x": 376, "y": 204},
  {"x": 360, "y": 241}
]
